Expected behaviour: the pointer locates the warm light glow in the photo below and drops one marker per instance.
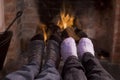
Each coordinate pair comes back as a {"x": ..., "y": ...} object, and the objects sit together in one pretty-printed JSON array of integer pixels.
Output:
[
  {"x": 43, "y": 28},
  {"x": 66, "y": 20},
  {"x": 45, "y": 34}
]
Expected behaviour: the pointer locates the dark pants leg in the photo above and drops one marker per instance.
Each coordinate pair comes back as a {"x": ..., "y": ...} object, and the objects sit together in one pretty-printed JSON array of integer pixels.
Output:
[
  {"x": 94, "y": 70},
  {"x": 30, "y": 70},
  {"x": 27, "y": 72},
  {"x": 73, "y": 70},
  {"x": 49, "y": 72}
]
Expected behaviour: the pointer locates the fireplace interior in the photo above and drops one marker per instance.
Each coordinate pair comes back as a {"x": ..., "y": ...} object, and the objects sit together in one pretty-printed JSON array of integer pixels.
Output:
[{"x": 95, "y": 17}]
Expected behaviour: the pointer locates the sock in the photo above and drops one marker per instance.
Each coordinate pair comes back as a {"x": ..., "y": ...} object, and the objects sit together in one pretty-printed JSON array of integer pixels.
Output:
[
  {"x": 85, "y": 45},
  {"x": 68, "y": 48}
]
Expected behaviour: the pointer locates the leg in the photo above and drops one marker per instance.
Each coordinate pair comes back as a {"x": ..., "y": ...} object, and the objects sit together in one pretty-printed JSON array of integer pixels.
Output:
[
  {"x": 94, "y": 70},
  {"x": 49, "y": 71},
  {"x": 29, "y": 71},
  {"x": 73, "y": 69}
]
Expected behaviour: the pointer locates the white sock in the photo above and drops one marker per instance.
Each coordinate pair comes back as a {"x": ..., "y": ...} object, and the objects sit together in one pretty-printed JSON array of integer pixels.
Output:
[
  {"x": 68, "y": 48},
  {"x": 85, "y": 45}
]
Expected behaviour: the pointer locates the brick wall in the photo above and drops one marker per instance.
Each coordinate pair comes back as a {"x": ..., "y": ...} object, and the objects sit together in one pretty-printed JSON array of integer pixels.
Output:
[
  {"x": 23, "y": 30},
  {"x": 2, "y": 16},
  {"x": 29, "y": 22},
  {"x": 14, "y": 49}
]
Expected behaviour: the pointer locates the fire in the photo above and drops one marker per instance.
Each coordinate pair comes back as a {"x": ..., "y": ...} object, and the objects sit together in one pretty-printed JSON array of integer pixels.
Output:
[
  {"x": 66, "y": 20},
  {"x": 45, "y": 34},
  {"x": 43, "y": 28}
]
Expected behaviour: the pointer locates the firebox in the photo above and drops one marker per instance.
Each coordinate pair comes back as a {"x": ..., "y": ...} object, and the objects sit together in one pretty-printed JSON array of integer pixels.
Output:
[{"x": 95, "y": 17}]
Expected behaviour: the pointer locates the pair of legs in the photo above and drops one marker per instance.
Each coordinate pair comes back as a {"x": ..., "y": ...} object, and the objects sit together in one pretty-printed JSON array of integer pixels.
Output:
[
  {"x": 80, "y": 62},
  {"x": 33, "y": 70}
]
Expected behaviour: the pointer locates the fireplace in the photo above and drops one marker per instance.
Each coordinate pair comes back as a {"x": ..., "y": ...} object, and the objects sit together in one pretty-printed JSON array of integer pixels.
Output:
[
  {"x": 95, "y": 17},
  {"x": 98, "y": 18}
]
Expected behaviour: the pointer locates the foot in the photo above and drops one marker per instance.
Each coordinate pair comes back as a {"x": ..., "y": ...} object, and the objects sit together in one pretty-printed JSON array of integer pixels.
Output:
[
  {"x": 37, "y": 37},
  {"x": 36, "y": 49},
  {"x": 53, "y": 50},
  {"x": 53, "y": 27},
  {"x": 85, "y": 45},
  {"x": 64, "y": 34},
  {"x": 80, "y": 33},
  {"x": 68, "y": 48}
]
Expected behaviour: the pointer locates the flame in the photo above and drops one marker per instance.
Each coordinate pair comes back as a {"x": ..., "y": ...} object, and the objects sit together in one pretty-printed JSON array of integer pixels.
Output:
[
  {"x": 45, "y": 34},
  {"x": 43, "y": 28},
  {"x": 66, "y": 20}
]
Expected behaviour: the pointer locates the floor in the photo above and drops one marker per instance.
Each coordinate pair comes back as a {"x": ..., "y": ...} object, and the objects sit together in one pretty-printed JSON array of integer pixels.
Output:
[{"x": 113, "y": 69}]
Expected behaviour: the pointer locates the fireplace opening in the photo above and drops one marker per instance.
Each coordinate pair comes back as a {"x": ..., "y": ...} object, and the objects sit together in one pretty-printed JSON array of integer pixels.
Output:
[{"x": 95, "y": 17}]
